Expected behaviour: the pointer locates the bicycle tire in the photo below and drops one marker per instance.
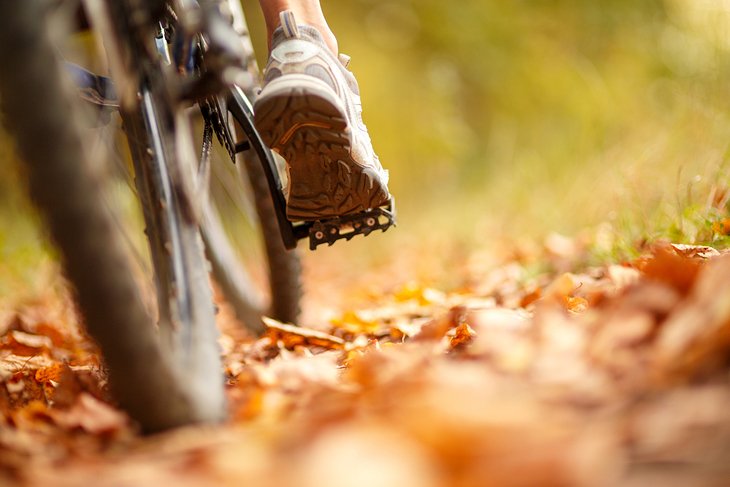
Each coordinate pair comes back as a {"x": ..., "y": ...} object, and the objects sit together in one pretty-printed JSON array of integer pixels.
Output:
[
  {"x": 284, "y": 266},
  {"x": 186, "y": 314},
  {"x": 145, "y": 378}
]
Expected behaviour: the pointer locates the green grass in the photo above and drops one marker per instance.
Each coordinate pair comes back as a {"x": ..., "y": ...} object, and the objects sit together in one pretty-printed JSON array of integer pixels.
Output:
[{"x": 25, "y": 259}]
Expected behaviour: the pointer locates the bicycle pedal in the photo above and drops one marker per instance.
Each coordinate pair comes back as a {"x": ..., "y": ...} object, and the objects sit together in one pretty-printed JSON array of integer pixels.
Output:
[{"x": 348, "y": 226}]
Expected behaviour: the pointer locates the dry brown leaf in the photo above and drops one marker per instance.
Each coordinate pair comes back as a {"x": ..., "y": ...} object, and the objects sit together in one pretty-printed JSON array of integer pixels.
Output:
[
  {"x": 363, "y": 455},
  {"x": 52, "y": 332},
  {"x": 721, "y": 227},
  {"x": 509, "y": 349},
  {"x": 696, "y": 336},
  {"x": 463, "y": 335},
  {"x": 620, "y": 345},
  {"x": 25, "y": 344},
  {"x": 562, "y": 286},
  {"x": 531, "y": 297},
  {"x": 34, "y": 413},
  {"x": 379, "y": 367},
  {"x": 622, "y": 276},
  {"x": 655, "y": 297},
  {"x": 293, "y": 336},
  {"x": 624, "y": 330},
  {"x": 292, "y": 372},
  {"x": 687, "y": 425},
  {"x": 668, "y": 266},
  {"x": 353, "y": 322},
  {"x": 561, "y": 246},
  {"x": 437, "y": 328},
  {"x": 91, "y": 415},
  {"x": 49, "y": 374},
  {"x": 529, "y": 399},
  {"x": 695, "y": 251},
  {"x": 407, "y": 328},
  {"x": 424, "y": 296},
  {"x": 575, "y": 304},
  {"x": 487, "y": 319}
]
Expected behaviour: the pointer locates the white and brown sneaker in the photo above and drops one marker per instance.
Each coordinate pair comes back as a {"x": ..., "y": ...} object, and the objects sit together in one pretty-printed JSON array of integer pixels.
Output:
[{"x": 309, "y": 111}]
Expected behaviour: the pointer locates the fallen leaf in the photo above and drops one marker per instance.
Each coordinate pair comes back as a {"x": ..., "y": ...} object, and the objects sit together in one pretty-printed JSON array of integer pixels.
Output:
[
  {"x": 463, "y": 335},
  {"x": 412, "y": 291},
  {"x": 696, "y": 337},
  {"x": 622, "y": 276},
  {"x": 673, "y": 268},
  {"x": 560, "y": 245},
  {"x": 91, "y": 415},
  {"x": 48, "y": 374},
  {"x": 486, "y": 320},
  {"x": 363, "y": 455},
  {"x": 52, "y": 332},
  {"x": 575, "y": 304},
  {"x": 563, "y": 286},
  {"x": 25, "y": 344},
  {"x": 292, "y": 373},
  {"x": 293, "y": 336},
  {"x": 437, "y": 328},
  {"x": 721, "y": 227},
  {"x": 530, "y": 297},
  {"x": 695, "y": 251},
  {"x": 353, "y": 322}
]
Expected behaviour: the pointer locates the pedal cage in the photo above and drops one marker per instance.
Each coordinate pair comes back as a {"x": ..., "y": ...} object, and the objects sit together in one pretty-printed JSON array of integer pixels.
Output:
[{"x": 347, "y": 226}]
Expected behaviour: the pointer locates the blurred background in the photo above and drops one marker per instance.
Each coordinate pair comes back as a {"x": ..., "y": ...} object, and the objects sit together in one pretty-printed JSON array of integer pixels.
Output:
[{"x": 512, "y": 120}]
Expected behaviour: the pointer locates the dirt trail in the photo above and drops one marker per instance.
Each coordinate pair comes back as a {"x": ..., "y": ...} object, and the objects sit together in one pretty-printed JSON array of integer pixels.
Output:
[{"x": 605, "y": 376}]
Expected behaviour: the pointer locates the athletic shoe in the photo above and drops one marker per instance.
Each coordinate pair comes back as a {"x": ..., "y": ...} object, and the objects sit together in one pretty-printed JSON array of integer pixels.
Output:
[{"x": 309, "y": 111}]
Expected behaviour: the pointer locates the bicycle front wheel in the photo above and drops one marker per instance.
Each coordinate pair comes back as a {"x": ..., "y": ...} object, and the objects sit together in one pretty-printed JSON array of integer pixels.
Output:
[
  {"x": 152, "y": 378},
  {"x": 186, "y": 317}
]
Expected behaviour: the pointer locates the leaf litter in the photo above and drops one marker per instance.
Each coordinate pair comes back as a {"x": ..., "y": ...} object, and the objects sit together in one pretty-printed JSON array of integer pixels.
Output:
[{"x": 616, "y": 375}]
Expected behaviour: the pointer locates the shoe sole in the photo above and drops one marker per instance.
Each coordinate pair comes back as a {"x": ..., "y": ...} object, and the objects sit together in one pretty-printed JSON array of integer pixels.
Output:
[{"x": 300, "y": 119}]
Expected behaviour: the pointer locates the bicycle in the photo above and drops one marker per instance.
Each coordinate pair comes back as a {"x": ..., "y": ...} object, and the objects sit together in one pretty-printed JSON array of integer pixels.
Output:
[{"x": 166, "y": 58}]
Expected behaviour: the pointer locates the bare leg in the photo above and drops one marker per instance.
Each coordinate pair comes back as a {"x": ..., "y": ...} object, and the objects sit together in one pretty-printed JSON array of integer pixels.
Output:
[{"x": 306, "y": 11}]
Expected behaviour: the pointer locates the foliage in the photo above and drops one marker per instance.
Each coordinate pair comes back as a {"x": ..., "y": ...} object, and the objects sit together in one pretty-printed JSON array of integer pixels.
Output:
[{"x": 613, "y": 375}]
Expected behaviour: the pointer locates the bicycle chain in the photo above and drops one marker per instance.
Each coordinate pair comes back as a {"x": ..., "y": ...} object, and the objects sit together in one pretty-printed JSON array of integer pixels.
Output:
[{"x": 214, "y": 113}]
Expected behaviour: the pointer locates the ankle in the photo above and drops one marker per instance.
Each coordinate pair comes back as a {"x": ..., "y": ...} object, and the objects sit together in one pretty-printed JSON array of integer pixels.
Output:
[
  {"x": 306, "y": 12},
  {"x": 327, "y": 35}
]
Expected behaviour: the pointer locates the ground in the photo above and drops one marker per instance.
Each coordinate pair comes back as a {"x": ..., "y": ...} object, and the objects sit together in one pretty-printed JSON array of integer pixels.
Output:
[
  {"x": 608, "y": 375},
  {"x": 456, "y": 357}
]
